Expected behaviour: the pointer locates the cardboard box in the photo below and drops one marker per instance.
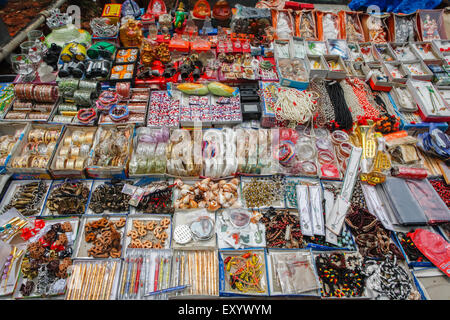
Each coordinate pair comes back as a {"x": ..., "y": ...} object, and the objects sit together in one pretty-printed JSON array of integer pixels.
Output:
[{"x": 112, "y": 11}]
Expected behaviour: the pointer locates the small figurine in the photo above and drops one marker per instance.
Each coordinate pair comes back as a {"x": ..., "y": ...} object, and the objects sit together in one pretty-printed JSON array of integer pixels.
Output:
[
  {"x": 430, "y": 29},
  {"x": 155, "y": 9},
  {"x": 221, "y": 10},
  {"x": 202, "y": 9},
  {"x": 180, "y": 17},
  {"x": 148, "y": 53},
  {"x": 306, "y": 27},
  {"x": 376, "y": 31},
  {"x": 353, "y": 35},
  {"x": 131, "y": 33}
]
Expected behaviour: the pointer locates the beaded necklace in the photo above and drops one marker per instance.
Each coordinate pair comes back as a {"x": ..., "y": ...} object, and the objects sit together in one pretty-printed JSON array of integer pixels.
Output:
[
  {"x": 363, "y": 98},
  {"x": 352, "y": 100},
  {"x": 324, "y": 106}
]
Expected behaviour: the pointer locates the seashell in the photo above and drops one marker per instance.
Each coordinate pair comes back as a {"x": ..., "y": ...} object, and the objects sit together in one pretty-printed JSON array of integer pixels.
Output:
[
  {"x": 197, "y": 192},
  {"x": 193, "y": 204},
  {"x": 213, "y": 206},
  {"x": 215, "y": 192},
  {"x": 206, "y": 181},
  {"x": 208, "y": 195},
  {"x": 229, "y": 187},
  {"x": 185, "y": 187},
  {"x": 179, "y": 183},
  {"x": 203, "y": 187},
  {"x": 214, "y": 186},
  {"x": 197, "y": 184},
  {"x": 221, "y": 183},
  {"x": 184, "y": 206},
  {"x": 185, "y": 199},
  {"x": 202, "y": 204},
  {"x": 228, "y": 195},
  {"x": 221, "y": 199},
  {"x": 178, "y": 203},
  {"x": 235, "y": 181},
  {"x": 184, "y": 192}
]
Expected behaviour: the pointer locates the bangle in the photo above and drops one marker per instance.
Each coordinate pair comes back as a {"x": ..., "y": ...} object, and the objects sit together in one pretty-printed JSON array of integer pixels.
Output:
[
  {"x": 106, "y": 100},
  {"x": 84, "y": 150},
  {"x": 67, "y": 141},
  {"x": 60, "y": 163},
  {"x": 325, "y": 156},
  {"x": 308, "y": 167},
  {"x": 323, "y": 144},
  {"x": 79, "y": 163},
  {"x": 75, "y": 152},
  {"x": 86, "y": 115},
  {"x": 118, "y": 113},
  {"x": 70, "y": 164},
  {"x": 34, "y": 162},
  {"x": 88, "y": 137},
  {"x": 339, "y": 136},
  {"x": 36, "y": 135},
  {"x": 64, "y": 151},
  {"x": 77, "y": 137},
  {"x": 123, "y": 89},
  {"x": 345, "y": 149}
]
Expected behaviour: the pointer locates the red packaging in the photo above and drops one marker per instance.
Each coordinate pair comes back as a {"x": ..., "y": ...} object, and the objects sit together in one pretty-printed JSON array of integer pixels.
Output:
[
  {"x": 409, "y": 173},
  {"x": 434, "y": 247}
]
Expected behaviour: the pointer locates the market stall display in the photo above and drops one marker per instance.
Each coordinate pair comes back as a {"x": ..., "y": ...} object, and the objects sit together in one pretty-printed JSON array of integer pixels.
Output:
[{"x": 200, "y": 150}]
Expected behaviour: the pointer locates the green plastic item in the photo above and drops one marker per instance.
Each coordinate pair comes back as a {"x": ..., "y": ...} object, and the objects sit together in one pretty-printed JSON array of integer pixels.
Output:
[{"x": 101, "y": 49}]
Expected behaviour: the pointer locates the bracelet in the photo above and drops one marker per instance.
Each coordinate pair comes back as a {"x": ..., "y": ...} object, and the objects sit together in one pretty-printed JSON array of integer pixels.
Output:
[
  {"x": 67, "y": 141},
  {"x": 60, "y": 163},
  {"x": 79, "y": 163},
  {"x": 86, "y": 115},
  {"x": 339, "y": 136},
  {"x": 106, "y": 100},
  {"x": 70, "y": 164},
  {"x": 64, "y": 151},
  {"x": 308, "y": 167},
  {"x": 75, "y": 152},
  {"x": 325, "y": 156},
  {"x": 118, "y": 113},
  {"x": 345, "y": 149},
  {"x": 88, "y": 138},
  {"x": 123, "y": 89}
]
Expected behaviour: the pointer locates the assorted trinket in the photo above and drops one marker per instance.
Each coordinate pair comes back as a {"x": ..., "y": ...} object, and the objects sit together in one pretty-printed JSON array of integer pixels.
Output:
[
  {"x": 68, "y": 198},
  {"x": 110, "y": 198},
  {"x": 300, "y": 182},
  {"x": 282, "y": 229},
  {"x": 244, "y": 273},
  {"x": 28, "y": 198},
  {"x": 103, "y": 238},
  {"x": 208, "y": 194},
  {"x": 149, "y": 233},
  {"x": 47, "y": 259},
  {"x": 157, "y": 199}
]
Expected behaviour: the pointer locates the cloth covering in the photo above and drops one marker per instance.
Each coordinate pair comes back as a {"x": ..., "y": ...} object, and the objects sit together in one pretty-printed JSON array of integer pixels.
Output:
[{"x": 397, "y": 6}]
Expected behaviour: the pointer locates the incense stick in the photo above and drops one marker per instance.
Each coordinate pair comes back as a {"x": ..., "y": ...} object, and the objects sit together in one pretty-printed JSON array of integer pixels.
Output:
[
  {"x": 111, "y": 279},
  {"x": 85, "y": 281}
]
